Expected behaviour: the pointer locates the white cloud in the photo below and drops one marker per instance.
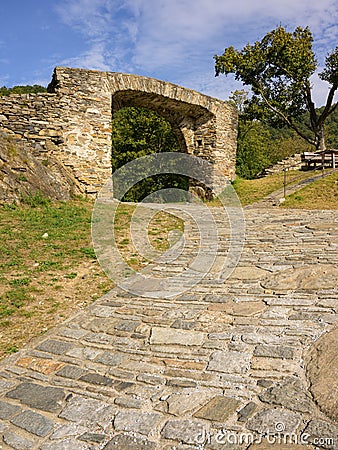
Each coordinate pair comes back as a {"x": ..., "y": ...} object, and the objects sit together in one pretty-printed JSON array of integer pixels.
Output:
[
  {"x": 90, "y": 17},
  {"x": 176, "y": 39},
  {"x": 93, "y": 58},
  {"x": 190, "y": 23}
]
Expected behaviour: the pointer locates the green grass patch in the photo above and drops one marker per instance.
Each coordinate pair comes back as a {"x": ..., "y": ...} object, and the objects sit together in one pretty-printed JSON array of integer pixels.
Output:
[
  {"x": 43, "y": 244},
  {"x": 251, "y": 191},
  {"x": 34, "y": 200},
  {"x": 70, "y": 276},
  {"x": 12, "y": 300},
  {"x": 89, "y": 252},
  {"x": 22, "y": 228},
  {"x": 321, "y": 194},
  {"x": 20, "y": 282},
  {"x": 11, "y": 349}
]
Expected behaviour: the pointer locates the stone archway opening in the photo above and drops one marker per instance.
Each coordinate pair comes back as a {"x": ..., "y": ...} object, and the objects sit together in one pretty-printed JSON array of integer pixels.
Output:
[
  {"x": 186, "y": 121},
  {"x": 137, "y": 132}
]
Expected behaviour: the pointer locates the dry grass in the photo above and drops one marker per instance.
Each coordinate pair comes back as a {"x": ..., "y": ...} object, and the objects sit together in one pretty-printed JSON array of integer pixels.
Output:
[
  {"x": 251, "y": 191},
  {"x": 321, "y": 194},
  {"x": 46, "y": 279}
]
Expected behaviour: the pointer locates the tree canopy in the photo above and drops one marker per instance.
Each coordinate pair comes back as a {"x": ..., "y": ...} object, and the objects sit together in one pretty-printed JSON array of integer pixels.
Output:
[
  {"x": 22, "y": 89},
  {"x": 138, "y": 132},
  {"x": 278, "y": 68}
]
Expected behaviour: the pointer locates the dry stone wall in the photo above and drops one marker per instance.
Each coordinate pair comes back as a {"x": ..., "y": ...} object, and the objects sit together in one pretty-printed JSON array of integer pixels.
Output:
[
  {"x": 294, "y": 162},
  {"x": 73, "y": 120},
  {"x": 32, "y": 117}
]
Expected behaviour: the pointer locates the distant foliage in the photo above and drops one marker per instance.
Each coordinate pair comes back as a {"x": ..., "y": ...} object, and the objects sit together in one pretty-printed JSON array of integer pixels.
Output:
[
  {"x": 261, "y": 145},
  {"x": 138, "y": 132},
  {"x": 331, "y": 130},
  {"x": 279, "y": 68},
  {"x": 22, "y": 89},
  {"x": 253, "y": 149}
]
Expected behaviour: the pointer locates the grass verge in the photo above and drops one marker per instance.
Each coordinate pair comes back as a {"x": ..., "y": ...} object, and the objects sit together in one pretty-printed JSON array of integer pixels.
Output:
[
  {"x": 48, "y": 265},
  {"x": 251, "y": 191},
  {"x": 321, "y": 194}
]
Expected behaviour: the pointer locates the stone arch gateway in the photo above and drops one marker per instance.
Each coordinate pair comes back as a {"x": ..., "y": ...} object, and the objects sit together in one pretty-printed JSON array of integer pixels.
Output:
[{"x": 73, "y": 120}]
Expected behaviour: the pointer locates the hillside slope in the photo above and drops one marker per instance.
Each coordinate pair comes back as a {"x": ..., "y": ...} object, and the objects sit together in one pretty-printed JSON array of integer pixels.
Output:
[{"x": 23, "y": 172}]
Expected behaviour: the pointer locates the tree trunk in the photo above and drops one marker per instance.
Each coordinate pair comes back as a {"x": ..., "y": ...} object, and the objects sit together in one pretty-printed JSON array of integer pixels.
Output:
[{"x": 320, "y": 140}]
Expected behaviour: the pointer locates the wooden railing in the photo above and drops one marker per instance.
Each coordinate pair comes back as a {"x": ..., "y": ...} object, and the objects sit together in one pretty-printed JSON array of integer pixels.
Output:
[{"x": 326, "y": 158}]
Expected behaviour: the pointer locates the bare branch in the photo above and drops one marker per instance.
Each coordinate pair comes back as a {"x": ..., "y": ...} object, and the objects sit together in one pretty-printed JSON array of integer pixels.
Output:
[
  {"x": 333, "y": 108},
  {"x": 287, "y": 120},
  {"x": 311, "y": 106},
  {"x": 327, "y": 109}
]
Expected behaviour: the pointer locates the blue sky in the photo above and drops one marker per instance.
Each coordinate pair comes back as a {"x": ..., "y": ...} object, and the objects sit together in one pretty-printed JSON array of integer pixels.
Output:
[{"x": 173, "y": 40}]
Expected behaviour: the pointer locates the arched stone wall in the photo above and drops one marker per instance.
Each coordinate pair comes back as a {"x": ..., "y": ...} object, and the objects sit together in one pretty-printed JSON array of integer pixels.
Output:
[
  {"x": 73, "y": 120},
  {"x": 123, "y": 99}
]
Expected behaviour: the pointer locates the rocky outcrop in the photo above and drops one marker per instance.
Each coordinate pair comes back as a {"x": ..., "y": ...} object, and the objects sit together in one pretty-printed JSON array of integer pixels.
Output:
[
  {"x": 24, "y": 174},
  {"x": 322, "y": 369}
]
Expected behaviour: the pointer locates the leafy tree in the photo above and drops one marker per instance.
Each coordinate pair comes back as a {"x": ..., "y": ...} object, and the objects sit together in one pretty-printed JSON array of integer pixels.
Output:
[
  {"x": 260, "y": 145},
  {"x": 253, "y": 149},
  {"x": 331, "y": 130},
  {"x": 138, "y": 132},
  {"x": 278, "y": 69},
  {"x": 22, "y": 89}
]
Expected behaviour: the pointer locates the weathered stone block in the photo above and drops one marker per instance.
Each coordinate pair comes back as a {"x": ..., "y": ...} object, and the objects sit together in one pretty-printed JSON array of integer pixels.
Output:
[
  {"x": 229, "y": 362},
  {"x": 136, "y": 422},
  {"x": 125, "y": 442},
  {"x": 17, "y": 442},
  {"x": 87, "y": 411},
  {"x": 151, "y": 379},
  {"x": 55, "y": 347},
  {"x": 272, "y": 421},
  {"x": 33, "y": 423},
  {"x": 34, "y": 395},
  {"x": 322, "y": 367},
  {"x": 70, "y": 371},
  {"x": 322, "y": 433},
  {"x": 110, "y": 358},
  {"x": 7, "y": 410},
  {"x": 189, "y": 400},
  {"x": 274, "y": 351},
  {"x": 172, "y": 336},
  {"x": 290, "y": 394},
  {"x": 218, "y": 409},
  {"x": 96, "y": 378},
  {"x": 247, "y": 411},
  {"x": 187, "y": 431}
]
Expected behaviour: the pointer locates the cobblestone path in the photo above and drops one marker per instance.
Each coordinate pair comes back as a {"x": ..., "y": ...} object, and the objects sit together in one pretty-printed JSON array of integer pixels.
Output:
[{"x": 214, "y": 367}]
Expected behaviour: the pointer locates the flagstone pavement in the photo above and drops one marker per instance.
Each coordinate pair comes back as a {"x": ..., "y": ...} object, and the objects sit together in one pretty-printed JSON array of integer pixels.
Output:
[{"x": 217, "y": 366}]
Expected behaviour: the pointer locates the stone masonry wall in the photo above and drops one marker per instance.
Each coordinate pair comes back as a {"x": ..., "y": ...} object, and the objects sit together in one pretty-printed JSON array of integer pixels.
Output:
[
  {"x": 73, "y": 120},
  {"x": 32, "y": 117}
]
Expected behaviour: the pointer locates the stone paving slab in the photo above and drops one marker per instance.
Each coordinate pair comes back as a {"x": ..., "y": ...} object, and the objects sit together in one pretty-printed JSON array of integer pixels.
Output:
[{"x": 220, "y": 366}]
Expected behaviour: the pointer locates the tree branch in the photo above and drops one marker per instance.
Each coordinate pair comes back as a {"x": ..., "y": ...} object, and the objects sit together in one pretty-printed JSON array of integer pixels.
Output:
[
  {"x": 286, "y": 119},
  {"x": 310, "y": 106},
  {"x": 327, "y": 109},
  {"x": 333, "y": 108}
]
